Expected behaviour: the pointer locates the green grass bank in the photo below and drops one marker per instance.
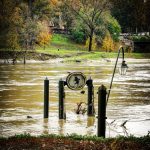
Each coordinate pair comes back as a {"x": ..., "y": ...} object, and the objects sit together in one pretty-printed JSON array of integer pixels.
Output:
[{"x": 62, "y": 47}]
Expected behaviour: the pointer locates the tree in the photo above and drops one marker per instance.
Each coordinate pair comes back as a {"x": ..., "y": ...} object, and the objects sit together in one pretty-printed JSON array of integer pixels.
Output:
[
  {"x": 31, "y": 13},
  {"x": 147, "y": 13},
  {"x": 78, "y": 32},
  {"x": 41, "y": 9},
  {"x": 132, "y": 14},
  {"x": 113, "y": 27},
  {"x": 89, "y": 12},
  {"x": 108, "y": 43},
  {"x": 7, "y": 12},
  {"x": 19, "y": 22},
  {"x": 44, "y": 36},
  {"x": 122, "y": 10},
  {"x": 94, "y": 43}
]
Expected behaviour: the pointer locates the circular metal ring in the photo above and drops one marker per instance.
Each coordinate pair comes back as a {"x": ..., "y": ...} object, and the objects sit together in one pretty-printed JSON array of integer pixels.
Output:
[{"x": 76, "y": 80}]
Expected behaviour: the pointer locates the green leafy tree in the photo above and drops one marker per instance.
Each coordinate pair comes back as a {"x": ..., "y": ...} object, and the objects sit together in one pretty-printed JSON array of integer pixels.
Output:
[
  {"x": 113, "y": 27},
  {"x": 89, "y": 12},
  {"x": 78, "y": 32},
  {"x": 106, "y": 23}
]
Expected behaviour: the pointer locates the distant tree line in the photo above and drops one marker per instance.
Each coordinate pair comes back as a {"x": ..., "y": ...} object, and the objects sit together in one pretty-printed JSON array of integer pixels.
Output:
[
  {"x": 24, "y": 23},
  {"x": 96, "y": 23},
  {"x": 132, "y": 15}
]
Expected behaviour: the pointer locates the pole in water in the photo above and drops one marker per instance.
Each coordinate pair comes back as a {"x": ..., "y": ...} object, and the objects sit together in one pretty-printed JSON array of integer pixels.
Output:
[
  {"x": 101, "y": 111},
  {"x": 46, "y": 97},
  {"x": 61, "y": 99},
  {"x": 90, "y": 106}
]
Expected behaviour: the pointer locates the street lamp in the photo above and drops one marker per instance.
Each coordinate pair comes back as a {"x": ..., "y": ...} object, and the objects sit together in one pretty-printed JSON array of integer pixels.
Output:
[{"x": 122, "y": 69}]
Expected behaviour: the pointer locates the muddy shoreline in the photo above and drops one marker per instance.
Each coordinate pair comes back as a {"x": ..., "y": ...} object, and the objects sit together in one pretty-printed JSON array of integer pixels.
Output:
[{"x": 15, "y": 56}]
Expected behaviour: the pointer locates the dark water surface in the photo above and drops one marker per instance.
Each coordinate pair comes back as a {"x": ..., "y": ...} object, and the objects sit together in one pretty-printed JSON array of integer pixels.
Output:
[{"x": 21, "y": 95}]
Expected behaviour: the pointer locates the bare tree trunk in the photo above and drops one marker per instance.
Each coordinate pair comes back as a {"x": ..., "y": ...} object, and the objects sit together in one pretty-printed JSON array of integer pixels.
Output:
[
  {"x": 24, "y": 58},
  {"x": 27, "y": 47},
  {"x": 90, "y": 42}
]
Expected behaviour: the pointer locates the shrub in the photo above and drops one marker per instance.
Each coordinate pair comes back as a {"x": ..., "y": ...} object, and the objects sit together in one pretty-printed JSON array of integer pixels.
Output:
[{"x": 78, "y": 35}]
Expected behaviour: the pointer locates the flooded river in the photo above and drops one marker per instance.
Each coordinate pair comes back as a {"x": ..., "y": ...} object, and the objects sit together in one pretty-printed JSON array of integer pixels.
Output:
[{"x": 21, "y": 95}]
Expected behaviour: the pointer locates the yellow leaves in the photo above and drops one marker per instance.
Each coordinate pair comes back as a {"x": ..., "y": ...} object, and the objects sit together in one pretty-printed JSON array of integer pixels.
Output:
[
  {"x": 44, "y": 38},
  {"x": 108, "y": 43},
  {"x": 54, "y": 2},
  {"x": 44, "y": 35}
]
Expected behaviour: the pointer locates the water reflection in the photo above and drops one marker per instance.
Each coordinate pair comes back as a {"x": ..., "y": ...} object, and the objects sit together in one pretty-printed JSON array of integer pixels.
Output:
[
  {"x": 90, "y": 121},
  {"x": 45, "y": 126},
  {"x": 21, "y": 95},
  {"x": 61, "y": 123}
]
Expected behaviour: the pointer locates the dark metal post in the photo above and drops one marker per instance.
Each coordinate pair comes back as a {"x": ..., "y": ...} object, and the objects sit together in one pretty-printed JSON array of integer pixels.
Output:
[
  {"x": 61, "y": 99},
  {"x": 120, "y": 48},
  {"x": 46, "y": 97},
  {"x": 90, "y": 106},
  {"x": 101, "y": 111}
]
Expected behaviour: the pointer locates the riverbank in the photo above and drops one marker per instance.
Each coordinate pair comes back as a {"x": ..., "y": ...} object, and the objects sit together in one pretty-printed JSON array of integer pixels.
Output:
[
  {"x": 74, "y": 142},
  {"x": 62, "y": 55}
]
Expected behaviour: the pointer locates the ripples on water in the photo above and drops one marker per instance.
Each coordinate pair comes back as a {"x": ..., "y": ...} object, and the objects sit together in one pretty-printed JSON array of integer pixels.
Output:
[{"x": 21, "y": 95}]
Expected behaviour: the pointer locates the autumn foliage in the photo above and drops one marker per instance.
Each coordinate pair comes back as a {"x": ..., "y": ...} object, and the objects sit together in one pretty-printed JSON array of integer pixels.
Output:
[
  {"x": 44, "y": 38},
  {"x": 44, "y": 35},
  {"x": 108, "y": 43}
]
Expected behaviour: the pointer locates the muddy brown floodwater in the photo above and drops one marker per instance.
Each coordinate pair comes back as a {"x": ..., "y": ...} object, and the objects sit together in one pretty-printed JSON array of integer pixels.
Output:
[{"x": 21, "y": 95}]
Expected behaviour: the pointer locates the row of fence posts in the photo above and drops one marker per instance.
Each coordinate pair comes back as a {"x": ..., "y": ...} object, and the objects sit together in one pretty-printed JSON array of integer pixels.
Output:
[{"x": 101, "y": 126}]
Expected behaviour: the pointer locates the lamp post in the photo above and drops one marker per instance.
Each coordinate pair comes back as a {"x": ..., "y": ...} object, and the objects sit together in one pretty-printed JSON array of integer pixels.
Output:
[{"x": 122, "y": 70}]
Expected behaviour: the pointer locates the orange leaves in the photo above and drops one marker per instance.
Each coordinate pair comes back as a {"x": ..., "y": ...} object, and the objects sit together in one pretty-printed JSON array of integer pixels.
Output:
[{"x": 54, "y": 2}]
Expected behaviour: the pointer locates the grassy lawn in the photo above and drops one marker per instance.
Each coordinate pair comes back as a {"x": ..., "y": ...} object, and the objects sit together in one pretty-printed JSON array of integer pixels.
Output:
[{"x": 62, "y": 46}]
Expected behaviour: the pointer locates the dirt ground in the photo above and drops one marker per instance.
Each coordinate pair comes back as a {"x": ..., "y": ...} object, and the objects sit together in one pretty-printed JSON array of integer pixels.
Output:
[{"x": 70, "y": 144}]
